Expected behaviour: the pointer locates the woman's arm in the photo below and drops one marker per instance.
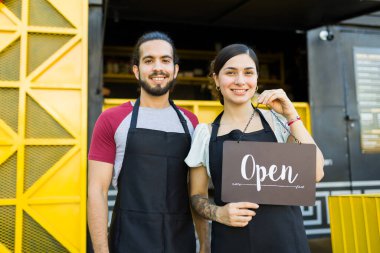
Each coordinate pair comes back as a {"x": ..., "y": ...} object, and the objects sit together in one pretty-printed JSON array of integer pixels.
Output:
[
  {"x": 280, "y": 103},
  {"x": 233, "y": 214},
  {"x": 300, "y": 132},
  {"x": 199, "y": 193}
]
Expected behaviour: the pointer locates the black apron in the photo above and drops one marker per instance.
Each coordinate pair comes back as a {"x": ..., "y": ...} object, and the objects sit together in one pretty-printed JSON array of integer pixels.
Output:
[
  {"x": 152, "y": 210},
  {"x": 274, "y": 229}
]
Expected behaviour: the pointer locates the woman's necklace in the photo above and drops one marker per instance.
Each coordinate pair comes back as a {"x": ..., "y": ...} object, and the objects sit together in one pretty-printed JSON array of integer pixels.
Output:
[
  {"x": 253, "y": 115},
  {"x": 249, "y": 121}
]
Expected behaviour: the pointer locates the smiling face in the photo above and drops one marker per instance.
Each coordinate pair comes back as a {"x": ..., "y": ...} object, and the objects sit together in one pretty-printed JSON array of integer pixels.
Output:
[
  {"x": 156, "y": 71},
  {"x": 237, "y": 79}
]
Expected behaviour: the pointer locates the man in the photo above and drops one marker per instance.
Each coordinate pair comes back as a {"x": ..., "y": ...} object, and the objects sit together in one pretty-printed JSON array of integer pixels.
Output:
[{"x": 141, "y": 148}]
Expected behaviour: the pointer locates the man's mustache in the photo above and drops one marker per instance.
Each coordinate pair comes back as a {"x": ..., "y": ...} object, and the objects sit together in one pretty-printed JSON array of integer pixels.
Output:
[{"x": 158, "y": 73}]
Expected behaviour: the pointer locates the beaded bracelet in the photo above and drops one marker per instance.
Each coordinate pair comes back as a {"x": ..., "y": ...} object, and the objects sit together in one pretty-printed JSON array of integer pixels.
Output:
[{"x": 294, "y": 120}]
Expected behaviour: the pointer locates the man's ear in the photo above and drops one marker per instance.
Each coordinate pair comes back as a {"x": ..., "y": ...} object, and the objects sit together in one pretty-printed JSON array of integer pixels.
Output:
[
  {"x": 176, "y": 69},
  {"x": 136, "y": 71}
]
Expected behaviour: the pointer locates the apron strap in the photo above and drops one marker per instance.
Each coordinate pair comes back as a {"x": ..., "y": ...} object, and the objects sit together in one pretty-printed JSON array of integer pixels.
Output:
[
  {"x": 180, "y": 116},
  {"x": 211, "y": 146},
  {"x": 215, "y": 127},
  {"x": 135, "y": 113}
]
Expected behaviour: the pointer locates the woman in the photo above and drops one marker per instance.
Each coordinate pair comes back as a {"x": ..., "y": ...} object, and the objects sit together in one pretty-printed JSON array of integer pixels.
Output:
[{"x": 245, "y": 226}]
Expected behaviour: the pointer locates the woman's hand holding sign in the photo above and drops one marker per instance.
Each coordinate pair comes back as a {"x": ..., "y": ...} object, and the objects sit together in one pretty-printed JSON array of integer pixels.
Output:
[{"x": 236, "y": 214}]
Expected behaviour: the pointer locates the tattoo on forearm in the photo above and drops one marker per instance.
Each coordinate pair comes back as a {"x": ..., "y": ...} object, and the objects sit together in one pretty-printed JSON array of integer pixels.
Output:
[{"x": 204, "y": 207}]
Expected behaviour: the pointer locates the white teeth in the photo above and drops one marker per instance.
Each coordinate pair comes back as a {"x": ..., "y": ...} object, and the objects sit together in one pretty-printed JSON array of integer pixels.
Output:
[
  {"x": 158, "y": 78},
  {"x": 239, "y": 91}
]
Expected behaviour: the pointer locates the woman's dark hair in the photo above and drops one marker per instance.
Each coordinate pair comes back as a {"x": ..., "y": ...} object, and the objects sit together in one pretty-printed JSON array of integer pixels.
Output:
[
  {"x": 227, "y": 53},
  {"x": 156, "y": 35}
]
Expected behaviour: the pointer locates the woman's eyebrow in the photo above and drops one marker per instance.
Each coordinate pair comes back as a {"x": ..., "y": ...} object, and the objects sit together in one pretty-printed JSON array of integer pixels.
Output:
[{"x": 233, "y": 68}]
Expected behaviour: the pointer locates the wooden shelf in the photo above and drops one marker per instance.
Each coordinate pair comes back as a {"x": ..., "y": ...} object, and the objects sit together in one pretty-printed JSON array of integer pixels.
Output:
[
  {"x": 271, "y": 68},
  {"x": 128, "y": 78},
  {"x": 196, "y": 80},
  {"x": 182, "y": 53}
]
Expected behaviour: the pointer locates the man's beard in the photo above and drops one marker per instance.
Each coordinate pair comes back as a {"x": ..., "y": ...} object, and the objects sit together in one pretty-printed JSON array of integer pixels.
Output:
[{"x": 157, "y": 90}]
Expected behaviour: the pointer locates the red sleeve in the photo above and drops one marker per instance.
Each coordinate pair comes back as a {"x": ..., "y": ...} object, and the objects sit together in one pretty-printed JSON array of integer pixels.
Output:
[
  {"x": 191, "y": 116},
  {"x": 103, "y": 146}
]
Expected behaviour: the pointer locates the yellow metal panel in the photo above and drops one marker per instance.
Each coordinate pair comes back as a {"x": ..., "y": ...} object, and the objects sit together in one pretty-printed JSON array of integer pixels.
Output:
[
  {"x": 66, "y": 67},
  {"x": 7, "y": 38},
  {"x": 7, "y": 220},
  {"x": 71, "y": 9},
  {"x": 207, "y": 111},
  {"x": 336, "y": 226},
  {"x": 43, "y": 125},
  {"x": 9, "y": 61},
  {"x": 5, "y": 20},
  {"x": 51, "y": 18},
  {"x": 13, "y": 6},
  {"x": 355, "y": 223},
  {"x": 372, "y": 216},
  {"x": 358, "y": 222},
  {"x": 69, "y": 113},
  {"x": 37, "y": 54},
  {"x": 53, "y": 185},
  {"x": 11, "y": 14}
]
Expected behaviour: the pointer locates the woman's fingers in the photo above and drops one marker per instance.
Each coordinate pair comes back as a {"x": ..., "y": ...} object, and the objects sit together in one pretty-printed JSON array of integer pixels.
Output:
[
  {"x": 241, "y": 221},
  {"x": 239, "y": 214},
  {"x": 246, "y": 205},
  {"x": 246, "y": 212},
  {"x": 269, "y": 96},
  {"x": 242, "y": 218},
  {"x": 278, "y": 101}
]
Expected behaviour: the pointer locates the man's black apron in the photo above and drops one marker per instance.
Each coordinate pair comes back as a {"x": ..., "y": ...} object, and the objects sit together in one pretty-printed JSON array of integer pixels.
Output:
[
  {"x": 152, "y": 211},
  {"x": 274, "y": 229}
]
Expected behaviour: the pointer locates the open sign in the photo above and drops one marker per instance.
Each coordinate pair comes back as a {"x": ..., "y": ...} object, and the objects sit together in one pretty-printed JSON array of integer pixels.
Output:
[{"x": 269, "y": 173}]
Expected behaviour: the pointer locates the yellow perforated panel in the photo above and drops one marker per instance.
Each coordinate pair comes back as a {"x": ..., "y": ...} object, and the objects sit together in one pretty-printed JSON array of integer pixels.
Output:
[
  {"x": 36, "y": 239},
  {"x": 43, "y": 125},
  {"x": 39, "y": 159},
  {"x": 51, "y": 16},
  {"x": 38, "y": 51},
  {"x": 10, "y": 62},
  {"x": 7, "y": 227},
  {"x": 14, "y": 6},
  {"x": 9, "y": 106},
  {"x": 8, "y": 178}
]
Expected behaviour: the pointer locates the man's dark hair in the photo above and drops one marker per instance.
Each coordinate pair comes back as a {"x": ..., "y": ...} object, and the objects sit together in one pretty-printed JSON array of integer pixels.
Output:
[{"x": 156, "y": 35}]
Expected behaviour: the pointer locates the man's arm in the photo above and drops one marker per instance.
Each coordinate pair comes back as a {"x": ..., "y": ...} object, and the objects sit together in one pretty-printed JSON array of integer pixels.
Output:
[{"x": 99, "y": 179}]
